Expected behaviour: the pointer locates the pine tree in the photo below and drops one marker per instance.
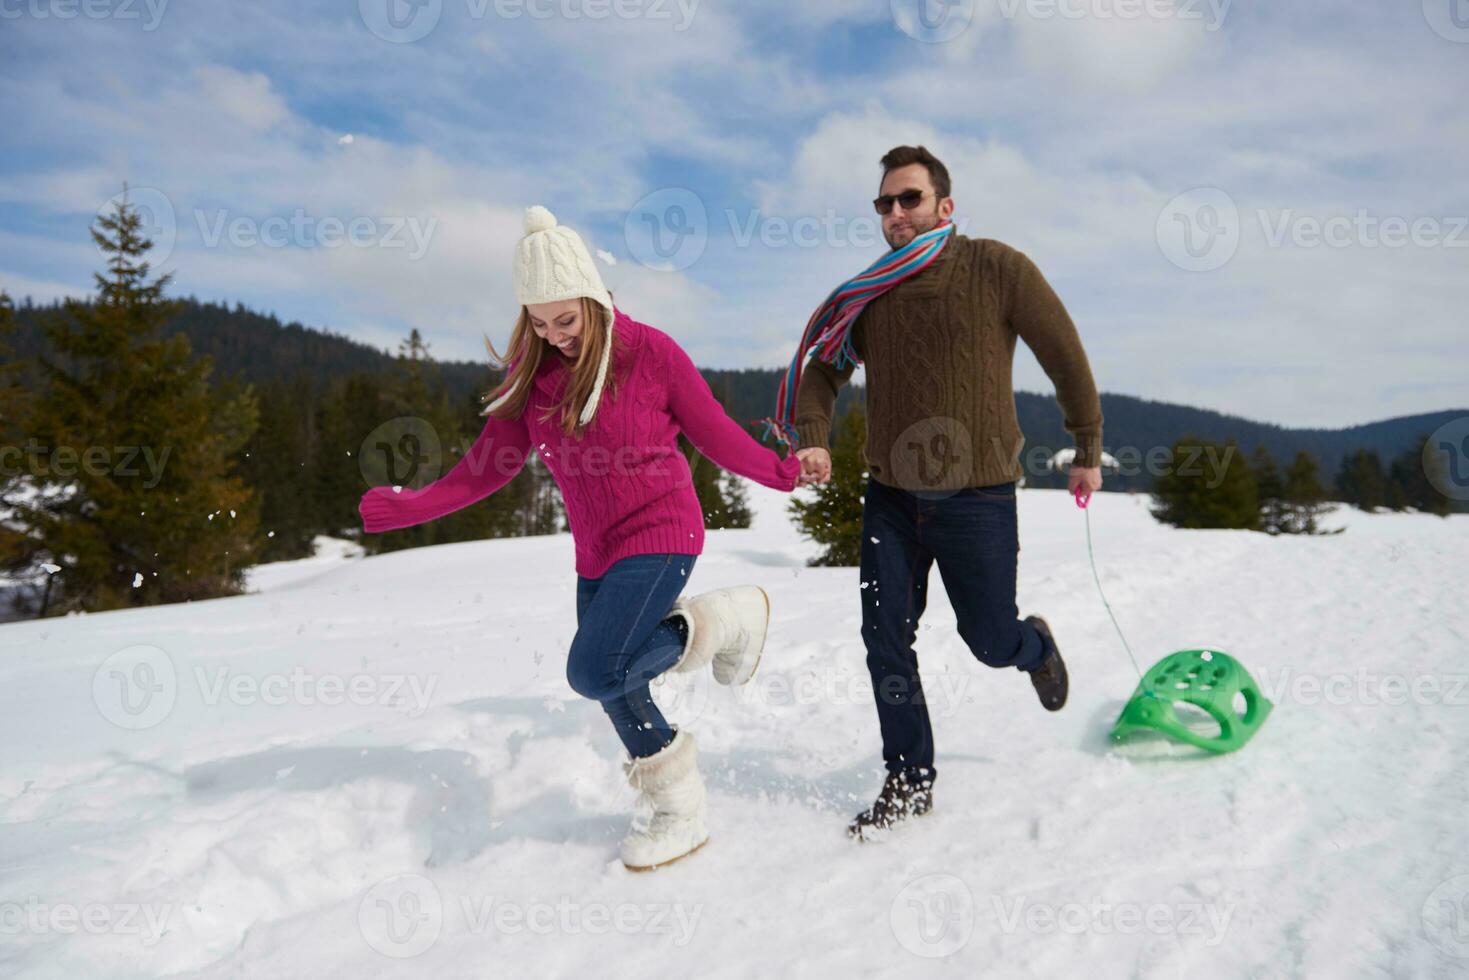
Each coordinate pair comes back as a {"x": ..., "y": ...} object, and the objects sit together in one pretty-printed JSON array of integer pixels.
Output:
[
  {"x": 1362, "y": 482},
  {"x": 141, "y": 502},
  {"x": 542, "y": 509},
  {"x": 348, "y": 413},
  {"x": 277, "y": 467},
  {"x": 13, "y": 396},
  {"x": 1410, "y": 476},
  {"x": 1209, "y": 486},
  {"x": 1305, "y": 496},
  {"x": 15, "y": 402},
  {"x": 1270, "y": 490},
  {"x": 705, "y": 477},
  {"x": 722, "y": 497},
  {"x": 834, "y": 518},
  {"x": 18, "y": 549},
  {"x": 736, "y": 501}
]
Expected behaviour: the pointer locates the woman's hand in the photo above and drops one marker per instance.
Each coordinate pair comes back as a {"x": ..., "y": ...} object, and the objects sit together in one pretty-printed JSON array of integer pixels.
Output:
[{"x": 379, "y": 510}]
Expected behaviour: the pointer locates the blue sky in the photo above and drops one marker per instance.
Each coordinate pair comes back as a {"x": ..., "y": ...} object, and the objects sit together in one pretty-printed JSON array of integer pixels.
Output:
[{"x": 1253, "y": 207}]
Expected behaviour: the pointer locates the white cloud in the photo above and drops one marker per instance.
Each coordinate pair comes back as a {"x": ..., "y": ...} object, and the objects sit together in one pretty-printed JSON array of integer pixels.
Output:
[
  {"x": 244, "y": 98},
  {"x": 1094, "y": 46}
]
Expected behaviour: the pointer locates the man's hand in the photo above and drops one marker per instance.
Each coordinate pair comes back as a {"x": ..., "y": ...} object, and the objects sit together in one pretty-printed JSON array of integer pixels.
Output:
[
  {"x": 1089, "y": 478},
  {"x": 815, "y": 466}
]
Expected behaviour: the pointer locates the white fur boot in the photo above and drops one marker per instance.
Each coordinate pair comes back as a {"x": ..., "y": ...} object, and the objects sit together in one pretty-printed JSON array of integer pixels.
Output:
[
  {"x": 670, "y": 780},
  {"x": 726, "y": 628}
]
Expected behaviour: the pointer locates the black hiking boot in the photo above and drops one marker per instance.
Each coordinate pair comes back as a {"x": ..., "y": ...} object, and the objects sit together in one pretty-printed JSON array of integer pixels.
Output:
[
  {"x": 905, "y": 793},
  {"x": 1049, "y": 679}
]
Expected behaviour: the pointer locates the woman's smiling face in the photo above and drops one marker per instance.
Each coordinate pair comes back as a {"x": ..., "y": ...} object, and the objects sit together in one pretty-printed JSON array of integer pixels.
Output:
[{"x": 559, "y": 324}]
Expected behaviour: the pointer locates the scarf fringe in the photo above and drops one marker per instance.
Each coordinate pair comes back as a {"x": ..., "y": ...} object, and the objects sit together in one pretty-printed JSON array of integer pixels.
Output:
[{"x": 784, "y": 432}]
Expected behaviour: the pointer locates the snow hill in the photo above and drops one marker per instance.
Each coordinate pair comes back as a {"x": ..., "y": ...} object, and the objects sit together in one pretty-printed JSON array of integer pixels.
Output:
[{"x": 375, "y": 768}]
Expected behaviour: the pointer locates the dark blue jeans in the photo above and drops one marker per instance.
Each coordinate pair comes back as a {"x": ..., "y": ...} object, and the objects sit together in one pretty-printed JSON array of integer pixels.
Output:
[
  {"x": 974, "y": 537},
  {"x": 623, "y": 641}
]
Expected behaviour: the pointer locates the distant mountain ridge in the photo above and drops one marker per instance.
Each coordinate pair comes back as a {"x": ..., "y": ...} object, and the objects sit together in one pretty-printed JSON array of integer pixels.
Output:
[{"x": 258, "y": 347}]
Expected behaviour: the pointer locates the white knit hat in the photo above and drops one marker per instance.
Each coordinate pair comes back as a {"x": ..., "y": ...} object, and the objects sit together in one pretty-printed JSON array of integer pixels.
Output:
[{"x": 552, "y": 264}]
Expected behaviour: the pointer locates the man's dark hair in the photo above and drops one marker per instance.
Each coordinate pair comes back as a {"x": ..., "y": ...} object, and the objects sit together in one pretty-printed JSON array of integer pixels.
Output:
[{"x": 902, "y": 156}]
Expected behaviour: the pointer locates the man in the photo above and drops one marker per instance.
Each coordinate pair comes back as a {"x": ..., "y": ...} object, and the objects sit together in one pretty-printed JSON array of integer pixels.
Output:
[{"x": 942, "y": 453}]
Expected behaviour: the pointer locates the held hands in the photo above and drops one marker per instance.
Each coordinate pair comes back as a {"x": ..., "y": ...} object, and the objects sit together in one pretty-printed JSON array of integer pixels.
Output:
[{"x": 815, "y": 466}]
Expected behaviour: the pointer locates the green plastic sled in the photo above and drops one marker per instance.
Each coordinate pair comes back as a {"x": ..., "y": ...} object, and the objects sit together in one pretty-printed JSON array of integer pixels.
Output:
[{"x": 1206, "y": 679}]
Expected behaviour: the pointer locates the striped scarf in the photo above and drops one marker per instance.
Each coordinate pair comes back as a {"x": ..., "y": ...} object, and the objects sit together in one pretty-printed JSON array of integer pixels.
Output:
[{"x": 829, "y": 329}]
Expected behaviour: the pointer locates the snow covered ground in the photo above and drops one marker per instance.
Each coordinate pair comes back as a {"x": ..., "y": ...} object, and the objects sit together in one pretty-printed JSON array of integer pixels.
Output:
[{"x": 375, "y": 768}]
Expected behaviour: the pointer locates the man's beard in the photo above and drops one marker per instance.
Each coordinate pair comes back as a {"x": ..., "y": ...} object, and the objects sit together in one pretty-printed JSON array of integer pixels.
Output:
[{"x": 919, "y": 225}]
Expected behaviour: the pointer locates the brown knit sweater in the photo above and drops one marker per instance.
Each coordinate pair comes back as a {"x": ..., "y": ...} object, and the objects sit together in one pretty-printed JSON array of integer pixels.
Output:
[{"x": 938, "y": 349}]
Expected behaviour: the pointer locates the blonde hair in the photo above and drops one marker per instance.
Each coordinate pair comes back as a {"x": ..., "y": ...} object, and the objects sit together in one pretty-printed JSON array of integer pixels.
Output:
[{"x": 523, "y": 359}]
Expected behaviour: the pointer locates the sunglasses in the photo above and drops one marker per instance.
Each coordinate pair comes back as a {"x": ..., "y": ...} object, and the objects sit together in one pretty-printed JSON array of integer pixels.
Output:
[{"x": 909, "y": 200}]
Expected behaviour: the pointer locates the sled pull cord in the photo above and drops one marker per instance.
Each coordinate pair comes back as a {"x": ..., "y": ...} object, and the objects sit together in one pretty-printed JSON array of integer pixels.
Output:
[{"x": 1083, "y": 498}]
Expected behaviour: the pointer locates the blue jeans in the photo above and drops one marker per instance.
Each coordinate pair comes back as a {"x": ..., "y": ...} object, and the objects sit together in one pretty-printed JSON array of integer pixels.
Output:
[
  {"x": 623, "y": 641},
  {"x": 974, "y": 537}
]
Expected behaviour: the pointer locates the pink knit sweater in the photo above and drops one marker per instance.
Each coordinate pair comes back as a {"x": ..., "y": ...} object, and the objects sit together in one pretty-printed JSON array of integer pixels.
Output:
[{"x": 627, "y": 488}]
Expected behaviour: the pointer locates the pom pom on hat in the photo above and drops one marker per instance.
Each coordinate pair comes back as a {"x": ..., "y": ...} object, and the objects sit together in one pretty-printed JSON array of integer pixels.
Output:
[{"x": 537, "y": 219}]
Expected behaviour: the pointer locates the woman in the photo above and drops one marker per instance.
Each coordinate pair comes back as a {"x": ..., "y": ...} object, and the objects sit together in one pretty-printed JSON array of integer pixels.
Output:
[{"x": 602, "y": 399}]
